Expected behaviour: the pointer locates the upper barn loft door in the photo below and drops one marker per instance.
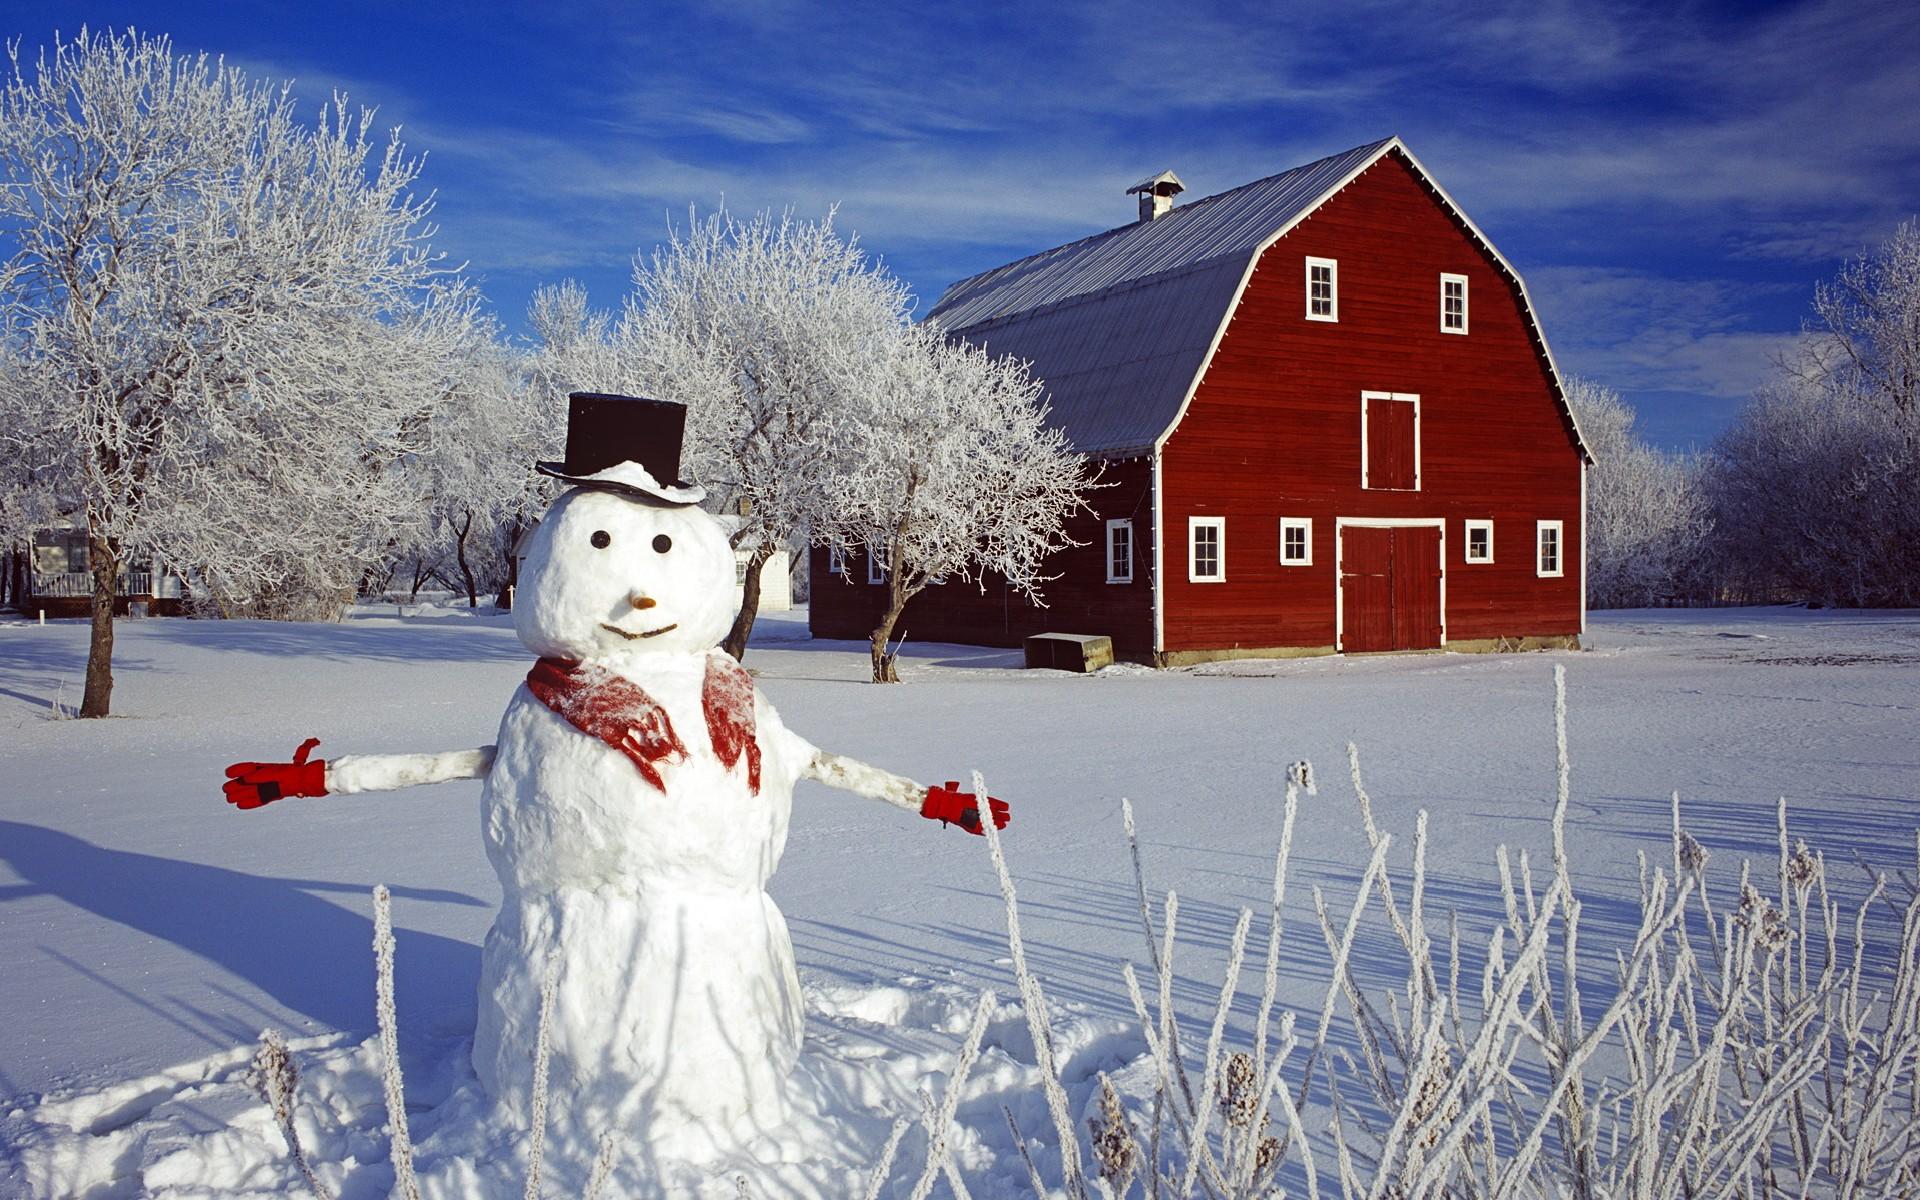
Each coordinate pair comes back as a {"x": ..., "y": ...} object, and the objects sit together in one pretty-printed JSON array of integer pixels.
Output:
[
  {"x": 1390, "y": 588},
  {"x": 1390, "y": 441}
]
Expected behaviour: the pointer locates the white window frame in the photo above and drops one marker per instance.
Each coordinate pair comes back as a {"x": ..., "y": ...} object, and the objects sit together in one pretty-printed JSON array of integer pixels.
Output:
[
  {"x": 1333, "y": 289},
  {"x": 837, "y": 562},
  {"x": 1400, "y": 396},
  {"x": 1305, "y": 526},
  {"x": 1445, "y": 279},
  {"x": 1466, "y": 542},
  {"x": 876, "y": 567},
  {"x": 1113, "y": 527},
  {"x": 1559, "y": 530},
  {"x": 1219, "y": 526}
]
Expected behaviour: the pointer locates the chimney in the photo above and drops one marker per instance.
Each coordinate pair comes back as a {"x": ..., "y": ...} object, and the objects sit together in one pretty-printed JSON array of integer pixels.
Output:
[{"x": 1156, "y": 194}]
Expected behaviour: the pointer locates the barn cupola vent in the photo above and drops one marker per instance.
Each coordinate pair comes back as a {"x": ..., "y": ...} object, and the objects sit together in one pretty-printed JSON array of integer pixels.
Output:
[{"x": 1156, "y": 194}]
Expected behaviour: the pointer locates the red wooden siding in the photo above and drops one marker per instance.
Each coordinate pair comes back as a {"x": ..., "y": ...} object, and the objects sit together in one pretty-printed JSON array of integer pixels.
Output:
[
  {"x": 1274, "y": 430},
  {"x": 1079, "y": 601}
]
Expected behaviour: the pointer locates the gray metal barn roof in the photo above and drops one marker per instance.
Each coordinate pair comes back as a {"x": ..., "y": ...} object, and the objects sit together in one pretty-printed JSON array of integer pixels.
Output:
[{"x": 1119, "y": 324}]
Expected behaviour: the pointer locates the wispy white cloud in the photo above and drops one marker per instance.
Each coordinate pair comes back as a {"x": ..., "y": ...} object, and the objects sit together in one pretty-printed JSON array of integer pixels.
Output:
[
  {"x": 1811, "y": 109},
  {"x": 903, "y": 117},
  {"x": 1728, "y": 366},
  {"x": 1638, "y": 331},
  {"x": 763, "y": 127},
  {"x": 1811, "y": 239},
  {"x": 557, "y": 211}
]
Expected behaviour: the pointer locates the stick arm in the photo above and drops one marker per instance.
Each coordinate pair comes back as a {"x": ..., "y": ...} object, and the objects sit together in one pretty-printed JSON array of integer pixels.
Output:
[
  {"x": 864, "y": 779},
  {"x": 351, "y": 773},
  {"x": 943, "y": 804}
]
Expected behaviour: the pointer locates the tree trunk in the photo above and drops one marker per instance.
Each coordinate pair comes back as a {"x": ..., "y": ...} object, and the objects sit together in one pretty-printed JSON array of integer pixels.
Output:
[
  {"x": 13, "y": 588},
  {"x": 103, "y": 561},
  {"x": 419, "y": 577},
  {"x": 897, "y": 597},
  {"x": 504, "y": 601},
  {"x": 460, "y": 556},
  {"x": 736, "y": 643},
  {"x": 883, "y": 671}
]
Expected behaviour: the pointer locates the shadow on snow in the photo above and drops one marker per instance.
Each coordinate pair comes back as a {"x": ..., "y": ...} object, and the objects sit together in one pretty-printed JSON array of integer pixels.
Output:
[{"x": 309, "y": 954}]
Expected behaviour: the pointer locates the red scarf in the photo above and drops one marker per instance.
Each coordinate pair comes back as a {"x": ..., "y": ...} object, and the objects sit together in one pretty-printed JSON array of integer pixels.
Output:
[{"x": 616, "y": 710}]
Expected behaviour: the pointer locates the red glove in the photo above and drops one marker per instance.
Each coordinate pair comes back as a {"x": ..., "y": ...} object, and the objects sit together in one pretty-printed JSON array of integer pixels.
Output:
[
  {"x": 251, "y": 784},
  {"x": 950, "y": 804}
]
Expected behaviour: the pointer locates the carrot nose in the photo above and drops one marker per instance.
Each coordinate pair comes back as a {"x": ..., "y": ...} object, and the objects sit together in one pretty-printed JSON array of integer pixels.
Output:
[{"x": 641, "y": 602}]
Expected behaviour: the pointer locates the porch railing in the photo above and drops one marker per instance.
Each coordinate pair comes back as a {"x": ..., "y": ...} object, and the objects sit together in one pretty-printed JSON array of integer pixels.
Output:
[{"x": 79, "y": 584}]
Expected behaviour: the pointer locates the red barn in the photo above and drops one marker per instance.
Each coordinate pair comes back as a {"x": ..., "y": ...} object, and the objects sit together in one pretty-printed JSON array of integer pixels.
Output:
[{"x": 1328, "y": 419}]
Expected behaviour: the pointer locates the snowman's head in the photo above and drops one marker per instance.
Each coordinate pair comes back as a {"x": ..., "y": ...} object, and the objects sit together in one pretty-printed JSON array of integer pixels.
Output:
[{"x": 607, "y": 574}]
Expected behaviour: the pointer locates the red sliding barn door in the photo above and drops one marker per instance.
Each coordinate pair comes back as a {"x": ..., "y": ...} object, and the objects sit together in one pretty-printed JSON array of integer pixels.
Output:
[
  {"x": 1366, "y": 588},
  {"x": 1416, "y": 587},
  {"x": 1389, "y": 588}
]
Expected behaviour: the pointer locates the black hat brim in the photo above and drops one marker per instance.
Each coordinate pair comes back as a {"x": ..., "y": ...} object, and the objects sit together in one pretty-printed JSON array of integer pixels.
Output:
[{"x": 635, "y": 484}]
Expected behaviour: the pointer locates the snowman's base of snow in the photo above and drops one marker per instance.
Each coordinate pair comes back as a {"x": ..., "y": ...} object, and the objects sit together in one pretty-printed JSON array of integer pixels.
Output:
[
  {"x": 675, "y": 1020},
  {"x": 199, "y": 1129}
]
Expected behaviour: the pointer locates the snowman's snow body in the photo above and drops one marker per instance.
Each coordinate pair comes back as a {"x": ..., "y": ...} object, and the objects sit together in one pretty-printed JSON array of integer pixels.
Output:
[
  {"x": 635, "y": 805},
  {"x": 677, "y": 1009}
]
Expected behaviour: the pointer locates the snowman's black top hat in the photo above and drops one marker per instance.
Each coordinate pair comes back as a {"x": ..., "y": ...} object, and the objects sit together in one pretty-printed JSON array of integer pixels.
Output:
[{"x": 626, "y": 444}]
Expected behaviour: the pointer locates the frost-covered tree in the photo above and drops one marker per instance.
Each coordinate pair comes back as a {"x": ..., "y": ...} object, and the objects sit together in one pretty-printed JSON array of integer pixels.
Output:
[
  {"x": 1816, "y": 485},
  {"x": 572, "y": 351},
  {"x": 760, "y": 327},
  {"x": 288, "y": 513},
  {"x": 1866, "y": 328},
  {"x": 949, "y": 473},
  {"x": 220, "y": 310},
  {"x": 1816, "y": 496},
  {"x": 1647, "y": 518},
  {"x": 480, "y": 436},
  {"x": 29, "y": 495}
]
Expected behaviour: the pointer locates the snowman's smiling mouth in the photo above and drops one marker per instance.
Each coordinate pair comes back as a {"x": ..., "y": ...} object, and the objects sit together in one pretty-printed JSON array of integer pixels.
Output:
[{"x": 645, "y": 633}]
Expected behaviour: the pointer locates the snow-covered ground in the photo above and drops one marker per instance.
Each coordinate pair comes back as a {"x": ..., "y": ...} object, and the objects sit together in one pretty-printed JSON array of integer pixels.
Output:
[{"x": 148, "y": 932}]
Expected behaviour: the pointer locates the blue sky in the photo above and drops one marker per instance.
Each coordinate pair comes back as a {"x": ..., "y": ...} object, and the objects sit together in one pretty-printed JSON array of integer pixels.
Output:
[{"x": 1670, "y": 178}]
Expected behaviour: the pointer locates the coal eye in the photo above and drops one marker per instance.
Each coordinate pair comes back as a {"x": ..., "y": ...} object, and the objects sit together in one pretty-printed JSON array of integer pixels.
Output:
[
  {"x": 662, "y": 543},
  {"x": 600, "y": 539}
]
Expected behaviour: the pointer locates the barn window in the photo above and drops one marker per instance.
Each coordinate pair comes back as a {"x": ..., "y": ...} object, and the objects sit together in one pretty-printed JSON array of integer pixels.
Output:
[
  {"x": 1120, "y": 551},
  {"x": 1453, "y": 303},
  {"x": 1390, "y": 441},
  {"x": 1323, "y": 289},
  {"x": 876, "y": 565},
  {"x": 1296, "y": 541},
  {"x": 1479, "y": 541},
  {"x": 837, "y": 561},
  {"x": 1206, "y": 549},
  {"x": 1550, "y": 538}
]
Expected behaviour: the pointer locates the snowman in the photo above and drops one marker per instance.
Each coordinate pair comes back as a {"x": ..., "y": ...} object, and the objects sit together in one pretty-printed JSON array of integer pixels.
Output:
[{"x": 635, "y": 805}]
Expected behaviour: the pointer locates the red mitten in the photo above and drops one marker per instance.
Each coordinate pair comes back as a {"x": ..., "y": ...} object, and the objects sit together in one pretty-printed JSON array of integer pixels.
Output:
[
  {"x": 950, "y": 804},
  {"x": 251, "y": 784}
]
